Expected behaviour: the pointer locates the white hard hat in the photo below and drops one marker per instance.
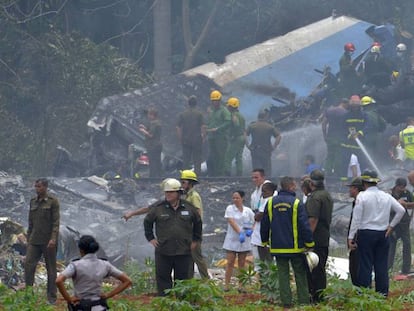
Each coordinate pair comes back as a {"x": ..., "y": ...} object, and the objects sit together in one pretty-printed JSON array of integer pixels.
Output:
[
  {"x": 401, "y": 47},
  {"x": 171, "y": 184},
  {"x": 312, "y": 259}
]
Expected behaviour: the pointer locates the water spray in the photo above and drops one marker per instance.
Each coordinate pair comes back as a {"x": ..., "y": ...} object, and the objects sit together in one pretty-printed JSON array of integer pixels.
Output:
[{"x": 371, "y": 161}]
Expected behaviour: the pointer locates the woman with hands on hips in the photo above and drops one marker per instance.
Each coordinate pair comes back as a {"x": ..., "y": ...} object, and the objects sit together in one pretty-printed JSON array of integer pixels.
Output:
[{"x": 239, "y": 230}]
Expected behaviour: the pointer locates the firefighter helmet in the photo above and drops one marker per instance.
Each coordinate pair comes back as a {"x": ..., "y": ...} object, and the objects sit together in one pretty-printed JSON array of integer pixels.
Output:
[
  {"x": 366, "y": 100},
  {"x": 349, "y": 47},
  {"x": 401, "y": 47},
  {"x": 171, "y": 184},
  {"x": 312, "y": 260},
  {"x": 370, "y": 176},
  {"x": 375, "y": 49},
  {"x": 215, "y": 95},
  {"x": 233, "y": 102},
  {"x": 189, "y": 175}
]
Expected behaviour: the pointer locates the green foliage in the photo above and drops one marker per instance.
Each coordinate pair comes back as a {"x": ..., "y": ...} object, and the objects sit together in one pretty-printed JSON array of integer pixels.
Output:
[
  {"x": 342, "y": 295},
  {"x": 269, "y": 280},
  {"x": 246, "y": 277},
  {"x": 24, "y": 300},
  {"x": 188, "y": 295},
  {"x": 143, "y": 280}
]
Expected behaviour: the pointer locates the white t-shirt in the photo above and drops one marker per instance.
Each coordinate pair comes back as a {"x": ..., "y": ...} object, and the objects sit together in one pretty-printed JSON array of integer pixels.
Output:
[
  {"x": 354, "y": 162},
  {"x": 242, "y": 219}
]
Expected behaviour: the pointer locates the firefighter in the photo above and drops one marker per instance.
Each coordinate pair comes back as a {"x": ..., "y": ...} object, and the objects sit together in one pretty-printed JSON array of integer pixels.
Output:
[
  {"x": 218, "y": 124},
  {"x": 349, "y": 82},
  {"x": 407, "y": 142},
  {"x": 236, "y": 138},
  {"x": 188, "y": 181},
  {"x": 355, "y": 124}
]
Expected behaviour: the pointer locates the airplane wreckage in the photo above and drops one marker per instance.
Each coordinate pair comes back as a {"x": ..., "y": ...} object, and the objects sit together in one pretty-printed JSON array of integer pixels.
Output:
[{"x": 278, "y": 75}]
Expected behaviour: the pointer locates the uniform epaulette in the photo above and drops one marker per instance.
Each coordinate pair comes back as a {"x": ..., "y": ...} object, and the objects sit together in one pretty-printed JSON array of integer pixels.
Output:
[
  {"x": 103, "y": 258},
  {"x": 76, "y": 259}
]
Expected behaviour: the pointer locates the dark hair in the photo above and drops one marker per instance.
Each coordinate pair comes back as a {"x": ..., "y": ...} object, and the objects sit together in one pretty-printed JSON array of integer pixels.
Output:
[
  {"x": 269, "y": 186},
  {"x": 241, "y": 192},
  {"x": 43, "y": 181},
  {"x": 88, "y": 244},
  {"x": 192, "y": 100},
  {"x": 259, "y": 170},
  {"x": 401, "y": 181},
  {"x": 310, "y": 158},
  {"x": 286, "y": 182}
]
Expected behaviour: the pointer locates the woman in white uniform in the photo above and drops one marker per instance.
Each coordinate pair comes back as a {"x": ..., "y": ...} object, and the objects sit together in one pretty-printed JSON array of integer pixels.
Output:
[
  {"x": 87, "y": 274},
  {"x": 239, "y": 230}
]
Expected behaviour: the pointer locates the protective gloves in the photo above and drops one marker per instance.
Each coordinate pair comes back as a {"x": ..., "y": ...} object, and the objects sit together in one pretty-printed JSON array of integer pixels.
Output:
[{"x": 242, "y": 237}]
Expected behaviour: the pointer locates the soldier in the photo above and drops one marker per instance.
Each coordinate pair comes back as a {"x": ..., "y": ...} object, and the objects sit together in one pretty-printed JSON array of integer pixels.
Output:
[
  {"x": 217, "y": 129},
  {"x": 236, "y": 138},
  {"x": 42, "y": 235},
  {"x": 191, "y": 132},
  {"x": 261, "y": 147}
]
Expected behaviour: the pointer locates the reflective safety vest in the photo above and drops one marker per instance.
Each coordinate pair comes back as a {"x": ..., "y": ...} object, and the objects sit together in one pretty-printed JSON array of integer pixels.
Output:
[
  {"x": 407, "y": 137},
  {"x": 293, "y": 238}
]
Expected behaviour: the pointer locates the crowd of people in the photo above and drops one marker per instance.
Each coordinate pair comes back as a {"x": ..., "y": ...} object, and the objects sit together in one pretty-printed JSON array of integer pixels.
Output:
[{"x": 277, "y": 226}]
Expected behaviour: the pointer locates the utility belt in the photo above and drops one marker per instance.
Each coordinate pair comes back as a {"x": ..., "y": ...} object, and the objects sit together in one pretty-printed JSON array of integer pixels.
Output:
[{"x": 87, "y": 304}]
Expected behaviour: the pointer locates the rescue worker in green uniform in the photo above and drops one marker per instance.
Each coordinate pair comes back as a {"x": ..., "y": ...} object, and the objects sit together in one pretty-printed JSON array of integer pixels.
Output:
[
  {"x": 236, "y": 138},
  {"x": 261, "y": 146},
  {"x": 188, "y": 181},
  {"x": 191, "y": 132},
  {"x": 178, "y": 230},
  {"x": 217, "y": 129},
  {"x": 407, "y": 142},
  {"x": 348, "y": 78}
]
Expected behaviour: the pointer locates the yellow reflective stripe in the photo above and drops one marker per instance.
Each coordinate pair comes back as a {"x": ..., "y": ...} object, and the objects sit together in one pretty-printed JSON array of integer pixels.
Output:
[
  {"x": 295, "y": 224},
  {"x": 287, "y": 250},
  {"x": 350, "y": 146},
  {"x": 355, "y": 120},
  {"x": 270, "y": 208}
]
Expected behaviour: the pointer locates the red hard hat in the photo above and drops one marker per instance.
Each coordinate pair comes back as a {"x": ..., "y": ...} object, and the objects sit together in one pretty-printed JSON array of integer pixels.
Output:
[
  {"x": 143, "y": 159},
  {"x": 376, "y": 44},
  {"x": 349, "y": 47}
]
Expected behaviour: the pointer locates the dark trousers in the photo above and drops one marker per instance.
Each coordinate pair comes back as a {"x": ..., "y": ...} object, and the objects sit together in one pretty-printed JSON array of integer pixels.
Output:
[
  {"x": 155, "y": 165},
  {"x": 373, "y": 249},
  {"x": 401, "y": 231},
  {"x": 262, "y": 159},
  {"x": 164, "y": 265},
  {"x": 199, "y": 260},
  {"x": 317, "y": 278},
  {"x": 354, "y": 266},
  {"x": 33, "y": 255},
  {"x": 192, "y": 155},
  {"x": 299, "y": 268}
]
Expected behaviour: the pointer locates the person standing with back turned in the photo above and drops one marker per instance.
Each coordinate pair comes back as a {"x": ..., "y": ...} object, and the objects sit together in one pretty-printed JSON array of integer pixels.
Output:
[
  {"x": 319, "y": 206},
  {"x": 42, "y": 235}
]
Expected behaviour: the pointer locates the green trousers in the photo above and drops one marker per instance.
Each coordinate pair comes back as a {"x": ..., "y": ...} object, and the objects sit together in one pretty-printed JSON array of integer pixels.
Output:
[
  {"x": 298, "y": 264},
  {"x": 234, "y": 151}
]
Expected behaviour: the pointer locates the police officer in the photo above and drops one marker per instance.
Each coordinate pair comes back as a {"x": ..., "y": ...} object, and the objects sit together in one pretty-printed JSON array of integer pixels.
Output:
[
  {"x": 236, "y": 138},
  {"x": 87, "y": 274},
  {"x": 217, "y": 130},
  {"x": 260, "y": 146},
  {"x": 42, "y": 235},
  {"x": 178, "y": 229}
]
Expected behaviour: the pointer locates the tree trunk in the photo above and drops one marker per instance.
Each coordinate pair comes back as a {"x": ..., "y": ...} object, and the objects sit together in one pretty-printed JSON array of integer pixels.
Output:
[
  {"x": 192, "y": 49},
  {"x": 162, "y": 38}
]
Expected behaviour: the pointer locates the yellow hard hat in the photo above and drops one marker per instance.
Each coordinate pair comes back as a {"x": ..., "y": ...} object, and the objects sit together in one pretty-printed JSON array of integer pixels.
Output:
[
  {"x": 215, "y": 95},
  {"x": 233, "y": 102},
  {"x": 366, "y": 100},
  {"x": 189, "y": 175}
]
